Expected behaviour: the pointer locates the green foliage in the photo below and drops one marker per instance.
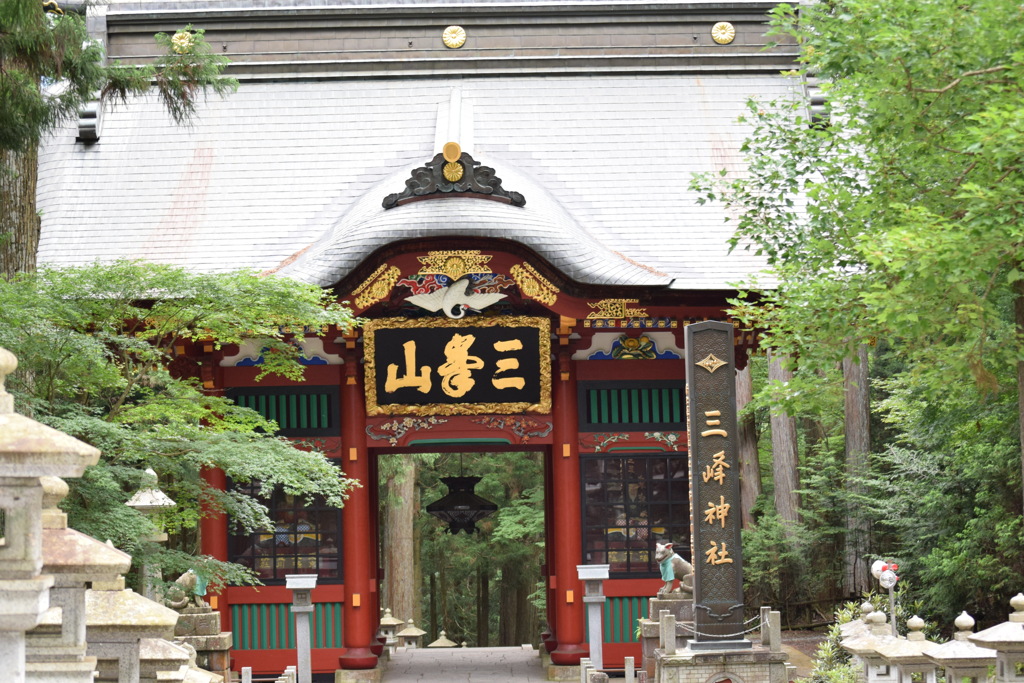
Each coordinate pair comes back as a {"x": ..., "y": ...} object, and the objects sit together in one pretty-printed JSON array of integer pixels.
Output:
[
  {"x": 96, "y": 360},
  {"x": 57, "y": 53},
  {"x": 899, "y": 223},
  {"x": 831, "y": 662}
]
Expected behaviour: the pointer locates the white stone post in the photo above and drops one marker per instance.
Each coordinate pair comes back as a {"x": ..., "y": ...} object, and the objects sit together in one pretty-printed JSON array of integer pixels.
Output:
[
  {"x": 593, "y": 576},
  {"x": 302, "y": 586},
  {"x": 246, "y": 674},
  {"x": 630, "y": 670},
  {"x": 668, "y": 632}
]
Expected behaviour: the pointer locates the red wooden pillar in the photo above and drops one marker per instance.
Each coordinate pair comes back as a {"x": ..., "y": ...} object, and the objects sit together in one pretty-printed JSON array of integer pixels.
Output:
[
  {"x": 550, "y": 543},
  {"x": 566, "y": 513},
  {"x": 359, "y": 614},
  {"x": 213, "y": 533}
]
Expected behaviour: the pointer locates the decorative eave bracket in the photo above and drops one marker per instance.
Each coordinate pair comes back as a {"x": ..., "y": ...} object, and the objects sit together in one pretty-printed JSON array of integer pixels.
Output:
[{"x": 453, "y": 173}]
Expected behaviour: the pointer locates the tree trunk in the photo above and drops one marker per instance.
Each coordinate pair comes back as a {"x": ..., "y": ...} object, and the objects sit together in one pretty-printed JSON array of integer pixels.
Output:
[
  {"x": 784, "y": 451},
  {"x": 483, "y": 606},
  {"x": 750, "y": 466},
  {"x": 858, "y": 445},
  {"x": 19, "y": 221},
  {"x": 507, "y": 607},
  {"x": 401, "y": 573},
  {"x": 526, "y": 615},
  {"x": 433, "y": 604},
  {"x": 1018, "y": 308}
]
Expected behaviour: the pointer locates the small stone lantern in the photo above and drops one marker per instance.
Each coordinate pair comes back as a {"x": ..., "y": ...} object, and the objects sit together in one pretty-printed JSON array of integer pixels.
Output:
[
  {"x": 151, "y": 501},
  {"x": 858, "y": 627},
  {"x": 411, "y": 636},
  {"x": 389, "y": 628},
  {"x": 908, "y": 654},
  {"x": 443, "y": 641},
  {"x": 960, "y": 657},
  {"x": 1007, "y": 639},
  {"x": 864, "y": 648}
]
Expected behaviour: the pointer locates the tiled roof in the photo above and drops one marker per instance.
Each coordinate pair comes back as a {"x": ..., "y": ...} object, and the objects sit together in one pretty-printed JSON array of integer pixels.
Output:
[{"x": 280, "y": 168}]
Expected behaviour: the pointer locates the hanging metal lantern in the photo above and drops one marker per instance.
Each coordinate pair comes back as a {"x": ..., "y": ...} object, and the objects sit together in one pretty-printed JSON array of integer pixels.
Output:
[{"x": 461, "y": 508}]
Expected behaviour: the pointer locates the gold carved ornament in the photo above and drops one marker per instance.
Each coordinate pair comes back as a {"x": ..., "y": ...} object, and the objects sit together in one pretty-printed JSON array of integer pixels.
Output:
[
  {"x": 454, "y": 37},
  {"x": 616, "y": 308},
  {"x": 723, "y": 33},
  {"x": 454, "y": 264},
  {"x": 453, "y": 170},
  {"x": 533, "y": 285},
  {"x": 711, "y": 363},
  {"x": 377, "y": 287},
  {"x": 543, "y": 326}
]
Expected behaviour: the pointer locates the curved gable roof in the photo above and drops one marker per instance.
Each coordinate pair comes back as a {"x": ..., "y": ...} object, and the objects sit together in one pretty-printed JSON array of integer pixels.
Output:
[{"x": 542, "y": 225}]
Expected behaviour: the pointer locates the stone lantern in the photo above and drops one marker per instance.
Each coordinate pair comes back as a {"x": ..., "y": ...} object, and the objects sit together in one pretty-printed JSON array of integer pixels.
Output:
[
  {"x": 443, "y": 641},
  {"x": 389, "y": 628},
  {"x": 1007, "y": 639},
  {"x": 858, "y": 627},
  {"x": 961, "y": 658},
  {"x": 908, "y": 654},
  {"x": 151, "y": 501},
  {"x": 411, "y": 636},
  {"x": 28, "y": 451},
  {"x": 56, "y": 649},
  {"x": 864, "y": 648}
]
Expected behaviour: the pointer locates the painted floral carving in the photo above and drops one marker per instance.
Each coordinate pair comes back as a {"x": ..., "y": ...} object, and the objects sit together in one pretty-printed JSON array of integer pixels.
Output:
[{"x": 392, "y": 431}]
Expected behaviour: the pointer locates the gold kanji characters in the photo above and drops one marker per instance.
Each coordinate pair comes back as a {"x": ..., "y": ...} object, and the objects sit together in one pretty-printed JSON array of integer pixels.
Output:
[
  {"x": 713, "y": 423},
  {"x": 716, "y": 555},
  {"x": 718, "y": 512},
  {"x": 421, "y": 382},
  {"x": 456, "y": 378},
  {"x": 716, "y": 470},
  {"x": 506, "y": 364}
]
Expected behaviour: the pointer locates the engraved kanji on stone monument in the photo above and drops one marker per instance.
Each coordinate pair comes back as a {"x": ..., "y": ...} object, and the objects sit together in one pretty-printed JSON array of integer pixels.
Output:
[{"x": 715, "y": 491}]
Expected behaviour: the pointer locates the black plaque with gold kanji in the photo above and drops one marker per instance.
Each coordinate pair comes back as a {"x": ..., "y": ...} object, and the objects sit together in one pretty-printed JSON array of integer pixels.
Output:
[
  {"x": 715, "y": 489},
  {"x": 437, "y": 366}
]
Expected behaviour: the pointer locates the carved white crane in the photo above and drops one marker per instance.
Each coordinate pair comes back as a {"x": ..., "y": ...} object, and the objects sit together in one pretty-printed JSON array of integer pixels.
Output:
[{"x": 455, "y": 299}]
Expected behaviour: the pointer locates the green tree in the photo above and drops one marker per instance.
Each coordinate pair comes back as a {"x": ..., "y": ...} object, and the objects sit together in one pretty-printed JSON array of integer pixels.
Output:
[
  {"x": 50, "y": 68},
  {"x": 899, "y": 220},
  {"x": 97, "y": 360}
]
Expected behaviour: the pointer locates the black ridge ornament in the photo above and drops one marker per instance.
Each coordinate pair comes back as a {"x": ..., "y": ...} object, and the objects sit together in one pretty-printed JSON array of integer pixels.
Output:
[{"x": 461, "y": 508}]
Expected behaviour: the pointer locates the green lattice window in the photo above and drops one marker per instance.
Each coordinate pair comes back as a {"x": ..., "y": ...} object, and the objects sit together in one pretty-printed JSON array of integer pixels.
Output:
[
  {"x": 298, "y": 411},
  {"x": 632, "y": 405}
]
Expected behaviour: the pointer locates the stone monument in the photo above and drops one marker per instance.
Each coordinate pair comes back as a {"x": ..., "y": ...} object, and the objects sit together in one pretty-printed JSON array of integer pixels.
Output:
[{"x": 702, "y": 640}]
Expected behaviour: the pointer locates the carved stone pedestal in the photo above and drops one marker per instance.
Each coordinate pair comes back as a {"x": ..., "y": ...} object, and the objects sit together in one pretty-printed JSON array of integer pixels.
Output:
[
  {"x": 373, "y": 675},
  {"x": 562, "y": 673},
  {"x": 681, "y": 608},
  {"x": 200, "y": 628},
  {"x": 755, "y": 665}
]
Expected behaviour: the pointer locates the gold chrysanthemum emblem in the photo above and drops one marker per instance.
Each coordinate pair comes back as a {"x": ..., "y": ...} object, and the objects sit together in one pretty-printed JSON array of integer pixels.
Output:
[
  {"x": 454, "y": 37},
  {"x": 723, "y": 33},
  {"x": 181, "y": 42},
  {"x": 452, "y": 171}
]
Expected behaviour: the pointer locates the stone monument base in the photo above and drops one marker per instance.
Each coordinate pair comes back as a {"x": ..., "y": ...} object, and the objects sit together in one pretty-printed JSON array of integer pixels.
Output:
[
  {"x": 359, "y": 675},
  {"x": 679, "y": 605},
  {"x": 757, "y": 664},
  {"x": 563, "y": 673}
]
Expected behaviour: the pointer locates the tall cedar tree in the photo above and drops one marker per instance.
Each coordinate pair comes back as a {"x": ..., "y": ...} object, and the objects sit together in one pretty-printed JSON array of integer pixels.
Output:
[{"x": 50, "y": 69}]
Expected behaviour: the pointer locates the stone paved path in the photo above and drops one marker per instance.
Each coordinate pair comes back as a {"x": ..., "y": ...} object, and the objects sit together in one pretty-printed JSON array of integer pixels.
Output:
[{"x": 465, "y": 665}]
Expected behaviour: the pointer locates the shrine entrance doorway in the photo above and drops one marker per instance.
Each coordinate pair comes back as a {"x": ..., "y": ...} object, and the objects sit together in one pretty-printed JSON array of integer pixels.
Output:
[{"x": 483, "y": 588}]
